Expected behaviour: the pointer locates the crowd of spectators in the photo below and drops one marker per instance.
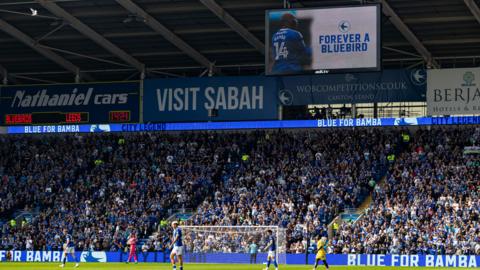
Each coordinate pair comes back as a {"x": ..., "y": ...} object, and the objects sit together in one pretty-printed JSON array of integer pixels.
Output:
[
  {"x": 223, "y": 240},
  {"x": 102, "y": 186},
  {"x": 429, "y": 204},
  {"x": 99, "y": 187},
  {"x": 298, "y": 180}
]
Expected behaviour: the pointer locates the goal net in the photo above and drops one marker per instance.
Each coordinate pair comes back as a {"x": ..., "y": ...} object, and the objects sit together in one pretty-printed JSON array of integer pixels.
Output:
[{"x": 232, "y": 244}]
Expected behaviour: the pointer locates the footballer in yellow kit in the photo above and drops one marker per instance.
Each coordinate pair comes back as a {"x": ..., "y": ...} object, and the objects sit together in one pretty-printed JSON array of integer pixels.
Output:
[{"x": 321, "y": 252}]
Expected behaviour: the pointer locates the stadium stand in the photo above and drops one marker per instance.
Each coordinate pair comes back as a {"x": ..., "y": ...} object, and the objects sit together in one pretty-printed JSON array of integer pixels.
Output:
[
  {"x": 121, "y": 180},
  {"x": 99, "y": 186},
  {"x": 297, "y": 180},
  {"x": 209, "y": 132},
  {"x": 428, "y": 205}
]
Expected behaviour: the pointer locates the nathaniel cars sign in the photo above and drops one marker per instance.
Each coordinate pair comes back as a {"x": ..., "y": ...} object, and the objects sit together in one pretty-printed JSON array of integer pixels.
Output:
[{"x": 453, "y": 91}]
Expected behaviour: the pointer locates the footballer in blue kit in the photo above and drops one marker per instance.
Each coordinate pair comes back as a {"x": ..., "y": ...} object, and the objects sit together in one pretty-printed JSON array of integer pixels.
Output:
[
  {"x": 177, "y": 246},
  {"x": 272, "y": 250},
  {"x": 68, "y": 248},
  {"x": 288, "y": 48}
]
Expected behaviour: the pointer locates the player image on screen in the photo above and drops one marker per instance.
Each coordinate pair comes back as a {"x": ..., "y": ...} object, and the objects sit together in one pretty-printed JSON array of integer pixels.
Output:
[
  {"x": 68, "y": 248},
  {"x": 272, "y": 250},
  {"x": 177, "y": 246},
  {"x": 288, "y": 50}
]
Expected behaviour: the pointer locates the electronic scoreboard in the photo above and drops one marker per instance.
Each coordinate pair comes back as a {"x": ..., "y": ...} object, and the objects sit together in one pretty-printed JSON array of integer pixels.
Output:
[
  {"x": 95, "y": 103},
  {"x": 45, "y": 118}
]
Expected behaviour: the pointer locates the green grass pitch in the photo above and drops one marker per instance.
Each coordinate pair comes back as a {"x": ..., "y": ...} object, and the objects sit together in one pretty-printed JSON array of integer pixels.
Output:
[{"x": 160, "y": 266}]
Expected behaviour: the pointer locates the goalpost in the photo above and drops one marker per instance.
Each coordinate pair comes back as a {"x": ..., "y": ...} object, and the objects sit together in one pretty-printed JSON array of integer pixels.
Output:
[{"x": 231, "y": 244}]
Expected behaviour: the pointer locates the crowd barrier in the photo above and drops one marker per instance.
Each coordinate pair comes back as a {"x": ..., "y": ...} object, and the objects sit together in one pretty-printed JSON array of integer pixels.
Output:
[{"x": 242, "y": 258}]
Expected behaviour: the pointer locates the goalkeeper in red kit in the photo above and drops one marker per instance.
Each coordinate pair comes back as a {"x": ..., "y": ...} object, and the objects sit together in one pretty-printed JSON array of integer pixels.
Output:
[{"x": 132, "y": 242}]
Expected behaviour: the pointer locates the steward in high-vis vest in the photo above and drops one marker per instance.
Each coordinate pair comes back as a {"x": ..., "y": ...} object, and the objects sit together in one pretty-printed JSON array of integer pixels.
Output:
[{"x": 406, "y": 137}]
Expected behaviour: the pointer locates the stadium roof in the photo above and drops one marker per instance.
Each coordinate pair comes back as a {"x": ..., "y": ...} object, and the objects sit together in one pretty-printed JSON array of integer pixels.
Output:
[{"x": 112, "y": 40}]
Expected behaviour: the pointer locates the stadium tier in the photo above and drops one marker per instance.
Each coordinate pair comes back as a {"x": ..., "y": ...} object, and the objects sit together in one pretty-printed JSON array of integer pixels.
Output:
[
  {"x": 429, "y": 203},
  {"x": 297, "y": 180},
  {"x": 104, "y": 186},
  {"x": 100, "y": 187}
]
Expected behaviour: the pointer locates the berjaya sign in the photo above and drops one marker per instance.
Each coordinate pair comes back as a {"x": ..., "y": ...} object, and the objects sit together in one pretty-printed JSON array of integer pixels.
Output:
[
  {"x": 194, "y": 99},
  {"x": 453, "y": 91}
]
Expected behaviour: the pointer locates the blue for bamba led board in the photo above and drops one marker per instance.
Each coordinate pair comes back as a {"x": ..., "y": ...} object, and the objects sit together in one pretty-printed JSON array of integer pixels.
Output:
[{"x": 332, "y": 123}]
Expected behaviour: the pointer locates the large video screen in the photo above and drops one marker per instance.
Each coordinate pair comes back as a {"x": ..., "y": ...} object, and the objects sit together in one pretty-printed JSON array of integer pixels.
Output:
[{"x": 322, "y": 40}]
